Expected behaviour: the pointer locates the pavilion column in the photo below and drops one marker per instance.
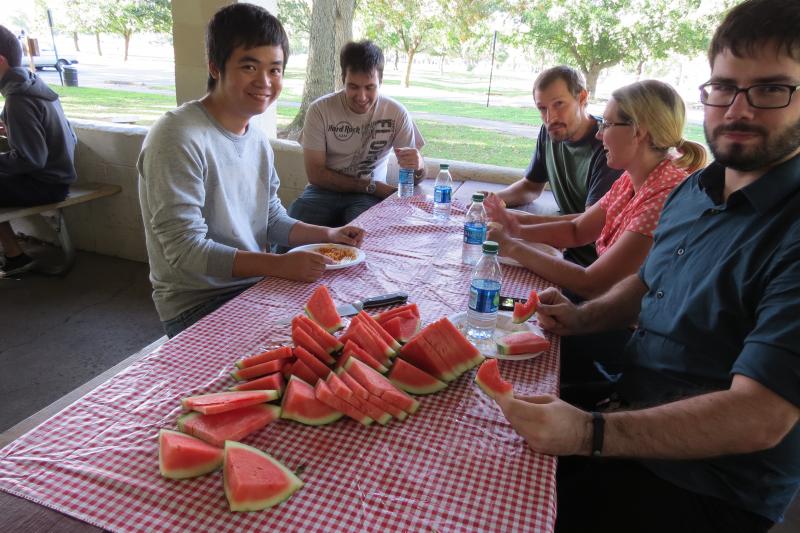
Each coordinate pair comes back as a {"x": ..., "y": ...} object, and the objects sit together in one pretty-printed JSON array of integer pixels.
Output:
[{"x": 189, "y": 20}]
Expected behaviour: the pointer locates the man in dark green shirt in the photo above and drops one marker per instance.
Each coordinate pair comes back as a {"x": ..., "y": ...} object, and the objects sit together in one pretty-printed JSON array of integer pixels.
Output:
[
  {"x": 568, "y": 154},
  {"x": 711, "y": 440}
]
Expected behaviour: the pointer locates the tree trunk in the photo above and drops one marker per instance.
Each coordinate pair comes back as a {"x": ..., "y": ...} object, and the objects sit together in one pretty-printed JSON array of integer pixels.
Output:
[
  {"x": 321, "y": 62},
  {"x": 441, "y": 66},
  {"x": 75, "y": 39},
  {"x": 97, "y": 39},
  {"x": 343, "y": 34},
  {"x": 639, "y": 68},
  {"x": 396, "y": 58},
  {"x": 591, "y": 78},
  {"x": 127, "y": 36},
  {"x": 407, "y": 77}
]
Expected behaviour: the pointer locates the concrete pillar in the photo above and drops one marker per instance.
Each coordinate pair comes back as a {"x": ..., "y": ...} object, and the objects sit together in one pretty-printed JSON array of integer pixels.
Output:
[{"x": 189, "y": 20}]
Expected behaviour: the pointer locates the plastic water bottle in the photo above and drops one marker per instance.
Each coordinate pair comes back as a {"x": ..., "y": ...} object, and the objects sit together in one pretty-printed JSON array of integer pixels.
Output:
[
  {"x": 474, "y": 231},
  {"x": 484, "y": 294},
  {"x": 405, "y": 183},
  {"x": 442, "y": 193}
]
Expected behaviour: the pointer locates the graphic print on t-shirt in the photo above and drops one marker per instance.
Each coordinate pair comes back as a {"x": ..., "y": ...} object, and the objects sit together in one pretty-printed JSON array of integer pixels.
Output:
[{"x": 373, "y": 138}]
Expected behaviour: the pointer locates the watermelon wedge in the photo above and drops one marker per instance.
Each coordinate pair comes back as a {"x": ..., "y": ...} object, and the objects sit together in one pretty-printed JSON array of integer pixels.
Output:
[
  {"x": 231, "y": 425},
  {"x": 364, "y": 395},
  {"x": 351, "y": 349},
  {"x": 301, "y": 370},
  {"x": 522, "y": 342},
  {"x": 220, "y": 402},
  {"x": 369, "y": 341},
  {"x": 327, "y": 341},
  {"x": 284, "y": 352},
  {"x": 523, "y": 311},
  {"x": 376, "y": 328},
  {"x": 269, "y": 382},
  {"x": 321, "y": 309},
  {"x": 381, "y": 317},
  {"x": 340, "y": 389},
  {"x": 453, "y": 346},
  {"x": 182, "y": 456},
  {"x": 316, "y": 366},
  {"x": 325, "y": 395},
  {"x": 402, "y": 327},
  {"x": 301, "y": 405},
  {"x": 379, "y": 386},
  {"x": 254, "y": 480},
  {"x": 418, "y": 353},
  {"x": 256, "y": 371},
  {"x": 489, "y": 380},
  {"x": 411, "y": 379},
  {"x": 304, "y": 340}
]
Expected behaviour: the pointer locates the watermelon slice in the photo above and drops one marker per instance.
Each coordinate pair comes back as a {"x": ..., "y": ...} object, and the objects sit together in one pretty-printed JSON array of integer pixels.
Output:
[
  {"x": 376, "y": 328},
  {"x": 269, "y": 382},
  {"x": 369, "y": 341},
  {"x": 453, "y": 346},
  {"x": 418, "y": 353},
  {"x": 381, "y": 317},
  {"x": 340, "y": 389},
  {"x": 380, "y": 386},
  {"x": 301, "y": 370},
  {"x": 363, "y": 394},
  {"x": 250, "y": 372},
  {"x": 220, "y": 402},
  {"x": 316, "y": 366},
  {"x": 284, "y": 352},
  {"x": 489, "y": 380},
  {"x": 321, "y": 309},
  {"x": 411, "y": 379},
  {"x": 402, "y": 327},
  {"x": 301, "y": 405},
  {"x": 324, "y": 394},
  {"x": 522, "y": 342},
  {"x": 327, "y": 341},
  {"x": 253, "y": 480},
  {"x": 303, "y": 339},
  {"x": 351, "y": 349},
  {"x": 231, "y": 425},
  {"x": 523, "y": 311},
  {"x": 182, "y": 456}
]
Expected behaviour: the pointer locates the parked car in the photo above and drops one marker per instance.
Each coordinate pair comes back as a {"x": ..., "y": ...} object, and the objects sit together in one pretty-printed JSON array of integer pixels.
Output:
[{"x": 47, "y": 59}]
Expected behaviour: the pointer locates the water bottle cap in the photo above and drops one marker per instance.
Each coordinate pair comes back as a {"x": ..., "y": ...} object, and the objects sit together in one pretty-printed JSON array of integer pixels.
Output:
[
  {"x": 490, "y": 247},
  {"x": 477, "y": 197},
  {"x": 444, "y": 166}
]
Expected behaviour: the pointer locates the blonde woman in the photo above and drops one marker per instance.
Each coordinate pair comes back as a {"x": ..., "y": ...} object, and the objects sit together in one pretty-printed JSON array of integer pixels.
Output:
[{"x": 641, "y": 131}]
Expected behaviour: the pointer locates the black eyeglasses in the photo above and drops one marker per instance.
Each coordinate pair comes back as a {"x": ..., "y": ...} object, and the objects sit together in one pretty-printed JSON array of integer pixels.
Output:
[
  {"x": 604, "y": 124},
  {"x": 760, "y": 96}
]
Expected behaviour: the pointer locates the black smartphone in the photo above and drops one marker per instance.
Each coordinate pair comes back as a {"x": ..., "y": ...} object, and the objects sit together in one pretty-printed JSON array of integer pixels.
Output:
[{"x": 507, "y": 302}]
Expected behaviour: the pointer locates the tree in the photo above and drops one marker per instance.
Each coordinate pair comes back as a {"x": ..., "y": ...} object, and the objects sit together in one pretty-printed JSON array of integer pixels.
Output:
[
  {"x": 126, "y": 17},
  {"x": 331, "y": 26},
  {"x": 295, "y": 15},
  {"x": 82, "y": 16},
  {"x": 598, "y": 35},
  {"x": 467, "y": 32}
]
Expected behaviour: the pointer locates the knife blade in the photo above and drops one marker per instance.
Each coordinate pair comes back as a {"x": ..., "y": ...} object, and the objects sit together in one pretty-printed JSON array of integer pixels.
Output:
[{"x": 373, "y": 301}]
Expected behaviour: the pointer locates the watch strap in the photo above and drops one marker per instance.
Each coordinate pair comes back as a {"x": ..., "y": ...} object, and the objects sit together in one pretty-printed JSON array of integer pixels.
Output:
[{"x": 598, "y": 433}]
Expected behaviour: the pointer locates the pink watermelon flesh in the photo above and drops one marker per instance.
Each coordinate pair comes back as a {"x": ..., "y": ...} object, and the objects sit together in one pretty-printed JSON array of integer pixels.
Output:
[
  {"x": 402, "y": 327},
  {"x": 411, "y": 379},
  {"x": 453, "y": 346},
  {"x": 269, "y": 382},
  {"x": 392, "y": 409},
  {"x": 364, "y": 395},
  {"x": 301, "y": 405},
  {"x": 523, "y": 311},
  {"x": 182, "y": 456},
  {"x": 417, "y": 352},
  {"x": 370, "y": 342},
  {"x": 489, "y": 380},
  {"x": 254, "y": 480},
  {"x": 328, "y": 342},
  {"x": 301, "y": 370},
  {"x": 376, "y": 328},
  {"x": 316, "y": 366},
  {"x": 257, "y": 371},
  {"x": 301, "y": 338},
  {"x": 340, "y": 389},
  {"x": 321, "y": 309},
  {"x": 284, "y": 352},
  {"x": 351, "y": 349},
  {"x": 522, "y": 342},
  {"x": 324, "y": 394},
  {"x": 380, "y": 386},
  {"x": 231, "y": 425},
  {"x": 381, "y": 317},
  {"x": 220, "y": 402},
  {"x": 451, "y": 367}
]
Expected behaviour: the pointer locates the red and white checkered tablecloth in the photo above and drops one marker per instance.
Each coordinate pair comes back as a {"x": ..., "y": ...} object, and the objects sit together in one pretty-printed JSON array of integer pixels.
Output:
[{"x": 456, "y": 465}]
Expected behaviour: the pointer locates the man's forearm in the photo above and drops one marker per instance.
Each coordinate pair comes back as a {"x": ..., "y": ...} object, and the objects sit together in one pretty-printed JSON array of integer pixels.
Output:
[
  {"x": 617, "y": 308},
  {"x": 302, "y": 233},
  {"x": 521, "y": 192},
  {"x": 331, "y": 180}
]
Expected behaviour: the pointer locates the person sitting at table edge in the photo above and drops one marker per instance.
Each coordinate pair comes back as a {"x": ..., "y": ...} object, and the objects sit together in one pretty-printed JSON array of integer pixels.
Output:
[
  {"x": 38, "y": 166},
  {"x": 568, "y": 155},
  {"x": 711, "y": 440},
  {"x": 208, "y": 185},
  {"x": 347, "y": 138}
]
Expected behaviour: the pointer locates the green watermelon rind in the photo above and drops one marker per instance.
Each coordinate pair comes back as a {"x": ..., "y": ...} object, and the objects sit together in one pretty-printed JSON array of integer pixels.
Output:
[
  {"x": 319, "y": 421},
  {"x": 528, "y": 309},
  {"x": 185, "y": 473},
  {"x": 295, "y": 483},
  {"x": 504, "y": 348},
  {"x": 487, "y": 388},
  {"x": 434, "y": 386}
]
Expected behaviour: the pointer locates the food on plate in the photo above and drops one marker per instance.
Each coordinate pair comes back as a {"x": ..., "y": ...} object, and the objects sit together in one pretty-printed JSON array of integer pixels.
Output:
[
  {"x": 182, "y": 456},
  {"x": 254, "y": 480},
  {"x": 337, "y": 254},
  {"x": 522, "y": 342},
  {"x": 489, "y": 380},
  {"x": 321, "y": 309},
  {"x": 524, "y": 311}
]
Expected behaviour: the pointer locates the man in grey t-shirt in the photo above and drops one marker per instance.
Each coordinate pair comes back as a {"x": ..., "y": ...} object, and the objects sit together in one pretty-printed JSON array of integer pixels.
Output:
[
  {"x": 208, "y": 186},
  {"x": 347, "y": 138}
]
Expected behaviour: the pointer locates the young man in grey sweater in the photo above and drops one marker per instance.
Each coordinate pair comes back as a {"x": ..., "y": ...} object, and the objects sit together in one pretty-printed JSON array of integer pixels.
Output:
[{"x": 207, "y": 180}]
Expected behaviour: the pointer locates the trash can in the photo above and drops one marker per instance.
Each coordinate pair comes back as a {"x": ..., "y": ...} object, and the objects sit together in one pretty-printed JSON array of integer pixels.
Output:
[{"x": 70, "y": 76}]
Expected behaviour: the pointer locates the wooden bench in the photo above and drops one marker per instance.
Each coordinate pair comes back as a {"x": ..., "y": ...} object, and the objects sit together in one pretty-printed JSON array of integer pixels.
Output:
[{"x": 78, "y": 194}]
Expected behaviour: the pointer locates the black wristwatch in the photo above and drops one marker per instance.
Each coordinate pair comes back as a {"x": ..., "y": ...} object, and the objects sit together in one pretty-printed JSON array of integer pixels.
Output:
[{"x": 598, "y": 433}]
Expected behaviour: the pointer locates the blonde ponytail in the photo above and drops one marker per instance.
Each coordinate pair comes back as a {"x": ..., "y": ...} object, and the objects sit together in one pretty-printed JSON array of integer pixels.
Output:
[{"x": 693, "y": 156}]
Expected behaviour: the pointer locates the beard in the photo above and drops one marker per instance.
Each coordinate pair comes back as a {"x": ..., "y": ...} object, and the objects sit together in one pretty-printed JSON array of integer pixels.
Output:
[{"x": 773, "y": 148}]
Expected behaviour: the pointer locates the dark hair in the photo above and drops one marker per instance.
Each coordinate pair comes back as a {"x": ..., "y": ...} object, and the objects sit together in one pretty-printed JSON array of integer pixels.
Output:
[
  {"x": 756, "y": 23},
  {"x": 10, "y": 47},
  {"x": 244, "y": 25},
  {"x": 362, "y": 56},
  {"x": 572, "y": 77}
]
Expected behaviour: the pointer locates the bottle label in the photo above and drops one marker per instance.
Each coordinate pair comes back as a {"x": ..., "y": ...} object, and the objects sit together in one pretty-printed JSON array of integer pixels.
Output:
[
  {"x": 484, "y": 296},
  {"x": 441, "y": 194},
  {"x": 406, "y": 176},
  {"x": 474, "y": 233}
]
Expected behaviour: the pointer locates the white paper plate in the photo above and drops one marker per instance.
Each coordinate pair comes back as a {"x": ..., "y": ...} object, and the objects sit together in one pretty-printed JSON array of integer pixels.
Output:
[
  {"x": 544, "y": 248},
  {"x": 505, "y": 326},
  {"x": 360, "y": 255}
]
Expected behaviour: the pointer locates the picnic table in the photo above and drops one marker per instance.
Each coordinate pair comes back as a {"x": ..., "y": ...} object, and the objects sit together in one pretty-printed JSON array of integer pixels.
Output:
[{"x": 455, "y": 465}]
